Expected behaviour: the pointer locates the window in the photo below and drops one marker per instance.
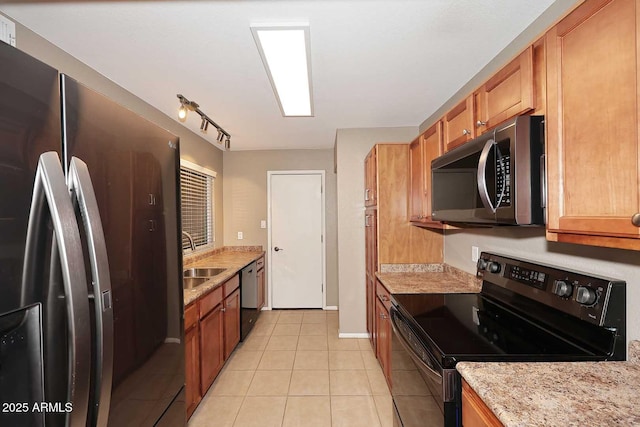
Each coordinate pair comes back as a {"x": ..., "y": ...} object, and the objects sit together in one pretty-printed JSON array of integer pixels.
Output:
[{"x": 197, "y": 203}]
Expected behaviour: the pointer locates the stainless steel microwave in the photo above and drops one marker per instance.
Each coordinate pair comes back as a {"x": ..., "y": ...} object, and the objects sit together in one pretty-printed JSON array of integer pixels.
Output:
[{"x": 497, "y": 178}]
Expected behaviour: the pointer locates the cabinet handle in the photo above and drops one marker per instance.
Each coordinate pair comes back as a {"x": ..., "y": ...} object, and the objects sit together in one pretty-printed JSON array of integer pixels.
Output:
[
  {"x": 366, "y": 221},
  {"x": 635, "y": 220},
  {"x": 152, "y": 225},
  {"x": 466, "y": 132},
  {"x": 223, "y": 309},
  {"x": 366, "y": 195},
  {"x": 383, "y": 316},
  {"x": 480, "y": 123},
  {"x": 383, "y": 297}
]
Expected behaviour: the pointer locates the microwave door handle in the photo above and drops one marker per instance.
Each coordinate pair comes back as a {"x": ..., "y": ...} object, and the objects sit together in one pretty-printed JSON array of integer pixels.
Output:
[
  {"x": 81, "y": 187},
  {"x": 49, "y": 187},
  {"x": 482, "y": 180}
]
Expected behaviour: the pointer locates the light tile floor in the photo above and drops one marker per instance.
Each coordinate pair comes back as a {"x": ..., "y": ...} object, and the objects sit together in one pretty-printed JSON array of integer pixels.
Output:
[{"x": 293, "y": 370}]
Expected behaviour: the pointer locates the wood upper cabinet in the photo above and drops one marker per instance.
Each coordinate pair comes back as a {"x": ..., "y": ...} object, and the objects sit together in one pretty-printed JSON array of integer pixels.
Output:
[
  {"x": 231, "y": 322},
  {"x": 371, "y": 178},
  {"x": 508, "y": 93},
  {"x": 475, "y": 412},
  {"x": 421, "y": 152},
  {"x": 592, "y": 125},
  {"x": 459, "y": 124}
]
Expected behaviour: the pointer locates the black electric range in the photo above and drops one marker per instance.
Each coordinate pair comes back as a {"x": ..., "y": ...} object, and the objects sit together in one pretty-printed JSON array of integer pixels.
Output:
[{"x": 525, "y": 312}]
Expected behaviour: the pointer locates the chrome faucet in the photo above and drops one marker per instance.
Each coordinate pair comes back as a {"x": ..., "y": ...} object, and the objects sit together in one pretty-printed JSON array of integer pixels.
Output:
[{"x": 191, "y": 242}]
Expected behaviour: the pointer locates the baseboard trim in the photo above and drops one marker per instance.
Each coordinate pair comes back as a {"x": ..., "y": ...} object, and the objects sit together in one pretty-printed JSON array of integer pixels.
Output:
[
  {"x": 172, "y": 340},
  {"x": 353, "y": 335},
  {"x": 331, "y": 308}
]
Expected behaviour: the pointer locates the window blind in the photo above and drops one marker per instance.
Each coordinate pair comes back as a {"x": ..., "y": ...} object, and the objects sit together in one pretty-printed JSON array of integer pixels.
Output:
[{"x": 197, "y": 207}]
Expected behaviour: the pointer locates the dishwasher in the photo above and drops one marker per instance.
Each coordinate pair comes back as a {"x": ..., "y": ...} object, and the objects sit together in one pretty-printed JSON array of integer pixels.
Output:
[{"x": 249, "y": 310}]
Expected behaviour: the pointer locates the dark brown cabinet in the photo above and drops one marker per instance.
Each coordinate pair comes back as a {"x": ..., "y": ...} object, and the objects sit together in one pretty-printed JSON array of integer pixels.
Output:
[
  {"x": 231, "y": 322},
  {"x": 211, "y": 347},
  {"x": 192, "y": 358},
  {"x": 262, "y": 290}
]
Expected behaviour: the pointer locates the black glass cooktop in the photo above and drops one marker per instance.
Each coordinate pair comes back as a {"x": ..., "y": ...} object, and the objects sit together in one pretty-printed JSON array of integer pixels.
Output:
[{"x": 456, "y": 327}]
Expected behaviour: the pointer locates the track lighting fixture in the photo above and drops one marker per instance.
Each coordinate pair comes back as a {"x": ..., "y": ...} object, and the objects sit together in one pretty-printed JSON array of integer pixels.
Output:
[{"x": 186, "y": 105}]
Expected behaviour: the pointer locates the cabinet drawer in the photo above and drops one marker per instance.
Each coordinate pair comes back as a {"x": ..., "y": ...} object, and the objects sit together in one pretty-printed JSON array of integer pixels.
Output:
[
  {"x": 383, "y": 295},
  {"x": 231, "y": 285},
  {"x": 260, "y": 263},
  {"x": 210, "y": 301},
  {"x": 190, "y": 316}
]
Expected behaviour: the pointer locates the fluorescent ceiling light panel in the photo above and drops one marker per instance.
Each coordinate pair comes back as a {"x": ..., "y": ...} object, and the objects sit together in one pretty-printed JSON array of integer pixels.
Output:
[{"x": 286, "y": 56}]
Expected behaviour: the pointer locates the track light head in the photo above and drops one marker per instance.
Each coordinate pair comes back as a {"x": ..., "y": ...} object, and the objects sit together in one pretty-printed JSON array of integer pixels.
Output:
[
  {"x": 227, "y": 143},
  {"x": 182, "y": 113}
]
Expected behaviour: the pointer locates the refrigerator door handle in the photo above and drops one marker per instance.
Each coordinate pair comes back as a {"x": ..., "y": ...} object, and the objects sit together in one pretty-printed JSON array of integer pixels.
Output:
[
  {"x": 49, "y": 186},
  {"x": 81, "y": 187}
]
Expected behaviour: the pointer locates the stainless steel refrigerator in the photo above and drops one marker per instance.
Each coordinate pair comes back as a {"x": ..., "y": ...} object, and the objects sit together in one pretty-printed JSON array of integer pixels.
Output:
[{"x": 90, "y": 265}]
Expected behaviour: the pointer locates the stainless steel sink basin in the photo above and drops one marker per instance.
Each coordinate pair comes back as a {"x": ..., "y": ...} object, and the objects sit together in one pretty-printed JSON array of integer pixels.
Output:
[
  {"x": 203, "y": 272},
  {"x": 193, "y": 282}
]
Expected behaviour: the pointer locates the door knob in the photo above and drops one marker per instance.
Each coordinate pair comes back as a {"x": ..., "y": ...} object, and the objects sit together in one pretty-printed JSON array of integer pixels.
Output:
[
  {"x": 635, "y": 220},
  {"x": 278, "y": 249}
]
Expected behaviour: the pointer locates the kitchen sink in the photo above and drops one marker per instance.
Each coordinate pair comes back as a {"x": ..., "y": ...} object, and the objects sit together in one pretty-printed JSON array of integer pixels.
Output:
[
  {"x": 193, "y": 282},
  {"x": 194, "y": 277},
  {"x": 203, "y": 272}
]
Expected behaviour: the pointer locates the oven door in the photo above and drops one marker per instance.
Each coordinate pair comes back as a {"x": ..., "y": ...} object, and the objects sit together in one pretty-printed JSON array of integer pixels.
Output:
[{"x": 423, "y": 393}]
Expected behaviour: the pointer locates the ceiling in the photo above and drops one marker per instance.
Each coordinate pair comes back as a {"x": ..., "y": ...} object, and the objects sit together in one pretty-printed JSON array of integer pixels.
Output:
[{"x": 375, "y": 63}]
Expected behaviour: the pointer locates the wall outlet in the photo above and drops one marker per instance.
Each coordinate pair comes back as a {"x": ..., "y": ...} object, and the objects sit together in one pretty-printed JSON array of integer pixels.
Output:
[
  {"x": 475, "y": 253},
  {"x": 240, "y": 235},
  {"x": 263, "y": 224}
]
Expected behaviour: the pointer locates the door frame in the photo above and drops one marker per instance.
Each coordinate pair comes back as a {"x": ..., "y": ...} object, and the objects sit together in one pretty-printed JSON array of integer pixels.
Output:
[{"x": 323, "y": 231}]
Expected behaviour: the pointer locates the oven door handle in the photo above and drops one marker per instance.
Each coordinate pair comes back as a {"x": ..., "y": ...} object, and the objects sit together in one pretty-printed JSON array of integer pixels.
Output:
[
  {"x": 482, "y": 179},
  {"x": 403, "y": 341}
]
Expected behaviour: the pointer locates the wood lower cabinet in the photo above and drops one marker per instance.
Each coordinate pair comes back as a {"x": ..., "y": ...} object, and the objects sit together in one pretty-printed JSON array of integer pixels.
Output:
[
  {"x": 212, "y": 332},
  {"x": 211, "y": 347},
  {"x": 593, "y": 167},
  {"x": 383, "y": 330},
  {"x": 193, "y": 396},
  {"x": 474, "y": 411},
  {"x": 262, "y": 284},
  {"x": 231, "y": 322}
]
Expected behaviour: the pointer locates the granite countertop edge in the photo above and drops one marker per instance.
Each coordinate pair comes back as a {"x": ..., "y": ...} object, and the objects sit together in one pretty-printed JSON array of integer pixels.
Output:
[
  {"x": 233, "y": 259},
  {"x": 559, "y": 393},
  {"x": 433, "y": 279}
]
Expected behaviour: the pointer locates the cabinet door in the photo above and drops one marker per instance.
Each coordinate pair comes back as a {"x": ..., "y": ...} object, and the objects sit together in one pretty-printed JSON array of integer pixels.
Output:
[
  {"x": 211, "y": 347},
  {"x": 592, "y": 124},
  {"x": 459, "y": 124},
  {"x": 262, "y": 291},
  {"x": 370, "y": 178},
  {"x": 192, "y": 368},
  {"x": 416, "y": 181},
  {"x": 431, "y": 148},
  {"x": 231, "y": 322},
  {"x": 508, "y": 93},
  {"x": 371, "y": 245},
  {"x": 383, "y": 345},
  {"x": 475, "y": 412}
]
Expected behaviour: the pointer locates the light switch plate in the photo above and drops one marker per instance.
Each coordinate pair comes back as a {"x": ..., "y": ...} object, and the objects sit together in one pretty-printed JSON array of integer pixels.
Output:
[
  {"x": 263, "y": 224},
  {"x": 240, "y": 235}
]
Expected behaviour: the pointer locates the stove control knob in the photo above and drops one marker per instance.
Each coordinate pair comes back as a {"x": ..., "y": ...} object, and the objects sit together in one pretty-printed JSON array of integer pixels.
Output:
[
  {"x": 494, "y": 267},
  {"x": 586, "y": 296},
  {"x": 562, "y": 288},
  {"x": 482, "y": 264}
]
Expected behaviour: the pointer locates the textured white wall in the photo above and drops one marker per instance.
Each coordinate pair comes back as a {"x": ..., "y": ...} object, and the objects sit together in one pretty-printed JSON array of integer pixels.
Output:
[{"x": 352, "y": 145}]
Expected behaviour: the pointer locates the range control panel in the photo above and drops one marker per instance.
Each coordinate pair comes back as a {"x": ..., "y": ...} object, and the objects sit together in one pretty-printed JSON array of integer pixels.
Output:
[{"x": 582, "y": 295}]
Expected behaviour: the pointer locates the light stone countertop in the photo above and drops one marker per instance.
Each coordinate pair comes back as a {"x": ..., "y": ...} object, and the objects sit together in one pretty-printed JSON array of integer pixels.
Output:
[
  {"x": 449, "y": 280},
  {"x": 559, "y": 393},
  {"x": 233, "y": 259}
]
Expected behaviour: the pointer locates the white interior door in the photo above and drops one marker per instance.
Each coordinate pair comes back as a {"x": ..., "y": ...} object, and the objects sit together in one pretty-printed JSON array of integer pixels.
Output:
[{"x": 296, "y": 239}]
